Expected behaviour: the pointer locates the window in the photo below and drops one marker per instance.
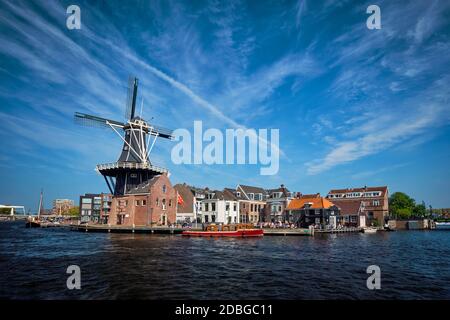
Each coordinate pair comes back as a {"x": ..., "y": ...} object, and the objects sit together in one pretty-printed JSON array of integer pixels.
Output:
[
  {"x": 206, "y": 206},
  {"x": 164, "y": 204},
  {"x": 213, "y": 218},
  {"x": 137, "y": 202},
  {"x": 213, "y": 206},
  {"x": 170, "y": 202},
  {"x": 144, "y": 202},
  {"x": 164, "y": 188},
  {"x": 376, "y": 203},
  {"x": 157, "y": 202},
  {"x": 206, "y": 218},
  {"x": 251, "y": 196},
  {"x": 279, "y": 208},
  {"x": 227, "y": 206},
  {"x": 234, "y": 207},
  {"x": 251, "y": 207},
  {"x": 238, "y": 194},
  {"x": 86, "y": 200}
]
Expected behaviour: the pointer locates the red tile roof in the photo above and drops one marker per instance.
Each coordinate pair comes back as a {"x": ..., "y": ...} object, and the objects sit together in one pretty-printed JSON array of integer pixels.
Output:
[{"x": 316, "y": 202}]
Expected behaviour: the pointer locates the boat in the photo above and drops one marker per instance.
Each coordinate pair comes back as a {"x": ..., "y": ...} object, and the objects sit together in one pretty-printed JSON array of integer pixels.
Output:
[
  {"x": 32, "y": 222},
  {"x": 443, "y": 225},
  {"x": 240, "y": 230},
  {"x": 369, "y": 230},
  {"x": 35, "y": 222}
]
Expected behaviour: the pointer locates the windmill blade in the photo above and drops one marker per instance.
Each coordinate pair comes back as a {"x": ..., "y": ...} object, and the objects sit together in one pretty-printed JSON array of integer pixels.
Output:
[
  {"x": 131, "y": 98},
  {"x": 162, "y": 132},
  {"x": 94, "y": 121}
]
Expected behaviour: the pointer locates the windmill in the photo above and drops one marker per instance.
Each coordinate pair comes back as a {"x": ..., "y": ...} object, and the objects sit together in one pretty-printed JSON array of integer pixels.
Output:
[{"x": 133, "y": 167}]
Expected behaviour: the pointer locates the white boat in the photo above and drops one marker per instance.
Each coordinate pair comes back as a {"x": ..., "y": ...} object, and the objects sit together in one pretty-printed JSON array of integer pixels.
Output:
[
  {"x": 443, "y": 225},
  {"x": 369, "y": 230}
]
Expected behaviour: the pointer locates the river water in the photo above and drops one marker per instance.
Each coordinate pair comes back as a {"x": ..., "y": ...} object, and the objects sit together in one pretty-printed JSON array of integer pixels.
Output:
[{"x": 33, "y": 264}]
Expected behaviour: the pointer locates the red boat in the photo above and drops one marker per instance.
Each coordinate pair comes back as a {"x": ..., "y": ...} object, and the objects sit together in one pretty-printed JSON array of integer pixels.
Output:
[{"x": 239, "y": 231}]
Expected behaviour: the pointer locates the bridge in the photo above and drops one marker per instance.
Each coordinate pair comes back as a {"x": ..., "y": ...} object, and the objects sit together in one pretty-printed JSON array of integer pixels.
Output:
[{"x": 12, "y": 211}]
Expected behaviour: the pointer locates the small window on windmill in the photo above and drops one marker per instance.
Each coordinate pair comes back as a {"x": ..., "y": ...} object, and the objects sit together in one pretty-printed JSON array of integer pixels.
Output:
[{"x": 133, "y": 175}]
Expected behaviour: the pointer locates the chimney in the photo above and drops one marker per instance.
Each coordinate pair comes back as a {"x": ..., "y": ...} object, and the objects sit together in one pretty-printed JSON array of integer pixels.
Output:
[{"x": 282, "y": 186}]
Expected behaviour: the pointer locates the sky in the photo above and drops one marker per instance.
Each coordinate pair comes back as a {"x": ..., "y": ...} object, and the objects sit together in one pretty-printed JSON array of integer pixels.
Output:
[{"x": 353, "y": 106}]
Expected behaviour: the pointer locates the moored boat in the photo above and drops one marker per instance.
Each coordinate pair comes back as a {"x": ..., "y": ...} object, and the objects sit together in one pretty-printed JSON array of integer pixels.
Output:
[
  {"x": 242, "y": 230},
  {"x": 32, "y": 223},
  {"x": 369, "y": 230},
  {"x": 35, "y": 222},
  {"x": 443, "y": 225}
]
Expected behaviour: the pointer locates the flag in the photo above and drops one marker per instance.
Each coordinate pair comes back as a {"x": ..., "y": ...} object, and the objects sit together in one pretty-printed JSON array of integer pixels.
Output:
[{"x": 180, "y": 199}]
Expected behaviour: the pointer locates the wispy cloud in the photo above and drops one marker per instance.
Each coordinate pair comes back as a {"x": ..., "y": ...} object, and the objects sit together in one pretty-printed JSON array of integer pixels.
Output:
[{"x": 372, "y": 69}]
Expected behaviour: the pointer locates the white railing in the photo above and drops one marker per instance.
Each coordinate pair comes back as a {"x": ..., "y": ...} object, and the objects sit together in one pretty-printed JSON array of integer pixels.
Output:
[{"x": 130, "y": 165}]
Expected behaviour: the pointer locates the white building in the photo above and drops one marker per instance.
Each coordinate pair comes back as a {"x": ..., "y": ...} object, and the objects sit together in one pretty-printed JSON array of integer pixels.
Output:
[{"x": 220, "y": 207}]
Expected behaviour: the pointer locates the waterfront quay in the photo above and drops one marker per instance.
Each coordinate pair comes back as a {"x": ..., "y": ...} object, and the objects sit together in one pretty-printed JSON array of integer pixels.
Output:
[
  {"x": 179, "y": 230},
  {"x": 129, "y": 229}
]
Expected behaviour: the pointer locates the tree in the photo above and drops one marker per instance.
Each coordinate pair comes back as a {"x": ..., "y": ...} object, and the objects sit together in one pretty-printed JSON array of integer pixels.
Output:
[
  {"x": 75, "y": 211},
  {"x": 420, "y": 210},
  {"x": 5, "y": 211},
  {"x": 401, "y": 205}
]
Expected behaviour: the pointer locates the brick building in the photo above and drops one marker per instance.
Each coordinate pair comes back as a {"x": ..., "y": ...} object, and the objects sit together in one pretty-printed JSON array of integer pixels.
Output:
[
  {"x": 306, "y": 210},
  {"x": 375, "y": 201},
  {"x": 62, "y": 206},
  {"x": 352, "y": 213},
  {"x": 150, "y": 203},
  {"x": 252, "y": 202}
]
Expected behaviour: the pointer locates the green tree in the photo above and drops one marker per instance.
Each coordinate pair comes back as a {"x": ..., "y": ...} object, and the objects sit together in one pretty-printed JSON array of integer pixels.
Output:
[
  {"x": 75, "y": 211},
  {"x": 420, "y": 210},
  {"x": 5, "y": 211},
  {"x": 401, "y": 205}
]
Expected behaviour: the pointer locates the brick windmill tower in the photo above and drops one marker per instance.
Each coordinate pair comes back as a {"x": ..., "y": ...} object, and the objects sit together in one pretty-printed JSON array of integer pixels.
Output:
[{"x": 132, "y": 179}]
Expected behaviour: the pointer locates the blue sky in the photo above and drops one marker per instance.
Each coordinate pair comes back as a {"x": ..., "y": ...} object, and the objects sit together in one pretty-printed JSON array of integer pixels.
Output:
[{"x": 354, "y": 106}]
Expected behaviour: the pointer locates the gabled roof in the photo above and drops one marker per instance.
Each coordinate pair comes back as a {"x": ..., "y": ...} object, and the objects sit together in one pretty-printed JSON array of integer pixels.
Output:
[
  {"x": 316, "y": 202},
  {"x": 226, "y": 194},
  {"x": 349, "y": 207},
  {"x": 251, "y": 189},
  {"x": 244, "y": 191},
  {"x": 285, "y": 191}
]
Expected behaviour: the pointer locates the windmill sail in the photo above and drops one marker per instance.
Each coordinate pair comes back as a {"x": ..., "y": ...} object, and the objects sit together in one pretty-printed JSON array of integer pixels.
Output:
[
  {"x": 94, "y": 121},
  {"x": 131, "y": 98},
  {"x": 133, "y": 167}
]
